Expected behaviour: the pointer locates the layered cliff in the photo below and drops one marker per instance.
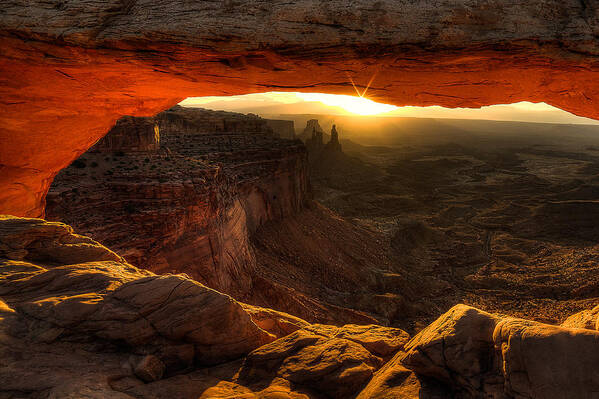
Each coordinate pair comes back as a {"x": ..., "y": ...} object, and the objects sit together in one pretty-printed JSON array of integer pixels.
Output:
[
  {"x": 286, "y": 129},
  {"x": 191, "y": 206},
  {"x": 226, "y": 203},
  {"x": 130, "y": 134}
]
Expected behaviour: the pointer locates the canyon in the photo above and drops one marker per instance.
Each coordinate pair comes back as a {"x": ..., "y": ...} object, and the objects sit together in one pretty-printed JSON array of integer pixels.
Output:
[
  {"x": 188, "y": 203},
  {"x": 228, "y": 203},
  {"x": 77, "y": 320},
  {"x": 214, "y": 274},
  {"x": 306, "y": 321}
]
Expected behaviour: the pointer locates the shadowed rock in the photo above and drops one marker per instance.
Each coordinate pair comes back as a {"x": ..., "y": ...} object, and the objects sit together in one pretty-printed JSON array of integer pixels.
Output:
[
  {"x": 585, "y": 319},
  {"x": 85, "y": 64},
  {"x": 88, "y": 292},
  {"x": 481, "y": 355},
  {"x": 102, "y": 328}
]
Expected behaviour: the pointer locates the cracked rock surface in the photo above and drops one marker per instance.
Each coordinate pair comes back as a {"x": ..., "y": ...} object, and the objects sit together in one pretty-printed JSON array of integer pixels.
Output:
[
  {"x": 481, "y": 355},
  {"x": 77, "y": 321}
]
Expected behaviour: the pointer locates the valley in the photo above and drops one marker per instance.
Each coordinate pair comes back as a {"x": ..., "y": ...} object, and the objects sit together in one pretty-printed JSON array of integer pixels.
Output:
[{"x": 506, "y": 220}]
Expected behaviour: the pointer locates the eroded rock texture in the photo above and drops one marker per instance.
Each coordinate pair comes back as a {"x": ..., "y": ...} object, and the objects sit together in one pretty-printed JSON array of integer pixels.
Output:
[
  {"x": 69, "y": 70},
  {"x": 226, "y": 202},
  {"x": 130, "y": 134},
  {"x": 76, "y": 320},
  {"x": 192, "y": 206},
  {"x": 70, "y": 286},
  {"x": 481, "y": 355}
]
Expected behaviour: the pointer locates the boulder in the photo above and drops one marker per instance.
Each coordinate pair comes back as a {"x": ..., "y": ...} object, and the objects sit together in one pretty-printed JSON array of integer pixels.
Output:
[
  {"x": 149, "y": 368},
  {"x": 66, "y": 286},
  {"x": 585, "y": 319},
  {"x": 381, "y": 341},
  {"x": 482, "y": 355},
  {"x": 334, "y": 367},
  {"x": 394, "y": 380},
  {"x": 276, "y": 323}
]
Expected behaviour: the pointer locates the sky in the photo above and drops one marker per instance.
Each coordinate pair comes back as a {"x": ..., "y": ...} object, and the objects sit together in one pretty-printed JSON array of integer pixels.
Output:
[{"x": 281, "y": 103}]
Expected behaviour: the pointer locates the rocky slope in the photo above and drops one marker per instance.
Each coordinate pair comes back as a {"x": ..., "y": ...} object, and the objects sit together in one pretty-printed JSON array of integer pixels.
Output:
[
  {"x": 71, "y": 69},
  {"x": 77, "y": 321},
  {"x": 247, "y": 229},
  {"x": 191, "y": 206}
]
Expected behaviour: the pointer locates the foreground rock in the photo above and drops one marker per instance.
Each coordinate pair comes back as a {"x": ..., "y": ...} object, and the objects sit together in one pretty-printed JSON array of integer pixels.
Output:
[
  {"x": 586, "y": 319},
  {"x": 77, "y": 321},
  {"x": 480, "y": 355},
  {"x": 66, "y": 287}
]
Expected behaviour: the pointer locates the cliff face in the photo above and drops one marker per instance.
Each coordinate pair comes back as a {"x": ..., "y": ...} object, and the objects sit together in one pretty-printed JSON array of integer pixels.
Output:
[
  {"x": 192, "y": 206},
  {"x": 182, "y": 121},
  {"x": 285, "y": 129},
  {"x": 130, "y": 135},
  {"x": 71, "y": 69},
  {"x": 76, "y": 320}
]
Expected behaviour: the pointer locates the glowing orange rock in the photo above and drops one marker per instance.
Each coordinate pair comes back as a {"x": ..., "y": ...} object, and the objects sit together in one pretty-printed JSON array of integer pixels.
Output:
[{"x": 69, "y": 72}]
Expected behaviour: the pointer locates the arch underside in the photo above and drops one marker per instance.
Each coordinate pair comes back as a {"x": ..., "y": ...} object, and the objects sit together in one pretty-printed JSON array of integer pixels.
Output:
[{"x": 68, "y": 75}]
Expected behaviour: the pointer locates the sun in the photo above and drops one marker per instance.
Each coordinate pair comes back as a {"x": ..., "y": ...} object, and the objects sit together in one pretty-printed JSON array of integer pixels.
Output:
[{"x": 353, "y": 104}]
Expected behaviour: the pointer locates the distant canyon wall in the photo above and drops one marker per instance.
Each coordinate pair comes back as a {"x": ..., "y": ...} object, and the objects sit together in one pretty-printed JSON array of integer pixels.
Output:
[
  {"x": 286, "y": 129},
  {"x": 179, "y": 211}
]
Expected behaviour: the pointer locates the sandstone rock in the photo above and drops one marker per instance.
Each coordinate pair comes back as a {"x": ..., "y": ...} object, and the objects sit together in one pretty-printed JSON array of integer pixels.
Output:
[
  {"x": 312, "y": 130},
  {"x": 334, "y": 367},
  {"x": 381, "y": 341},
  {"x": 279, "y": 324},
  {"x": 70, "y": 330},
  {"x": 114, "y": 301},
  {"x": 38, "y": 240},
  {"x": 457, "y": 348},
  {"x": 285, "y": 129},
  {"x": 198, "y": 121},
  {"x": 202, "y": 385},
  {"x": 481, "y": 355},
  {"x": 130, "y": 135},
  {"x": 395, "y": 381},
  {"x": 149, "y": 368},
  {"x": 333, "y": 145},
  {"x": 585, "y": 319},
  {"x": 74, "y": 63},
  {"x": 190, "y": 209}
]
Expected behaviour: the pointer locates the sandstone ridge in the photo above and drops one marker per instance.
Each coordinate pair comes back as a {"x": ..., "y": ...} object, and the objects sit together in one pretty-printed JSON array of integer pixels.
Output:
[{"x": 76, "y": 320}]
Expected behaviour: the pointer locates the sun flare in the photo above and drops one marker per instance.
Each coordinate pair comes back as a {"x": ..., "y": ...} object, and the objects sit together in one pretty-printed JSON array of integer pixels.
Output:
[
  {"x": 358, "y": 105},
  {"x": 355, "y": 105}
]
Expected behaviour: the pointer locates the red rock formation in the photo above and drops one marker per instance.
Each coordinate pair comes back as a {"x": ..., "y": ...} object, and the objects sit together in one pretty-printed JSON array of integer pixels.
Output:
[
  {"x": 70, "y": 71},
  {"x": 130, "y": 135},
  {"x": 77, "y": 320},
  {"x": 285, "y": 129},
  {"x": 193, "y": 121},
  {"x": 333, "y": 145},
  {"x": 191, "y": 207}
]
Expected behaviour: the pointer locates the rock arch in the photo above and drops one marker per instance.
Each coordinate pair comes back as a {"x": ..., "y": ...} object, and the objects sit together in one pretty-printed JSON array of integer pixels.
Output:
[{"x": 70, "y": 69}]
